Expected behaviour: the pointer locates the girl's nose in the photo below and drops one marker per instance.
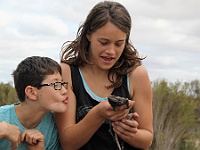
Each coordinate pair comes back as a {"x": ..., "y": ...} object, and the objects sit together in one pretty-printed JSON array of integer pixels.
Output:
[{"x": 110, "y": 49}]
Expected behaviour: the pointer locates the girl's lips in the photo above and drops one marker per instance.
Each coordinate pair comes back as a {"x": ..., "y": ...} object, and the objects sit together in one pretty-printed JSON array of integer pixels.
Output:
[{"x": 107, "y": 58}]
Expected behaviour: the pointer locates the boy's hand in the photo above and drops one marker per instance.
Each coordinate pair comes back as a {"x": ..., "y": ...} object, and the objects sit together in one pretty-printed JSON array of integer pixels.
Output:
[
  {"x": 11, "y": 133},
  {"x": 34, "y": 139}
]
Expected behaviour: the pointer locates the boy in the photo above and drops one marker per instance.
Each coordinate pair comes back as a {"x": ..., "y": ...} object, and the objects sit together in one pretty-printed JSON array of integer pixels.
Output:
[{"x": 41, "y": 91}]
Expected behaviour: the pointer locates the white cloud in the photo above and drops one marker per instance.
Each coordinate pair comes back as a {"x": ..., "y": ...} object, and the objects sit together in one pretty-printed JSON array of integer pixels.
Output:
[{"x": 5, "y": 18}]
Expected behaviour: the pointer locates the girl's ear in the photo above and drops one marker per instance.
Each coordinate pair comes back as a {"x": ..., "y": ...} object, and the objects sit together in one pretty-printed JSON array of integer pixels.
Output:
[
  {"x": 31, "y": 92},
  {"x": 88, "y": 37}
]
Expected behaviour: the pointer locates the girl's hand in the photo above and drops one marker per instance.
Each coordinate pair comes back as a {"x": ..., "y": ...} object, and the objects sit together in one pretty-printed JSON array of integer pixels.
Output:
[
  {"x": 106, "y": 111},
  {"x": 126, "y": 128}
]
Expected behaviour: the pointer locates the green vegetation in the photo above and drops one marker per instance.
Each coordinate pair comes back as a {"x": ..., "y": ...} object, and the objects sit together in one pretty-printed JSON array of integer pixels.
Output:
[
  {"x": 8, "y": 94},
  {"x": 176, "y": 112}
]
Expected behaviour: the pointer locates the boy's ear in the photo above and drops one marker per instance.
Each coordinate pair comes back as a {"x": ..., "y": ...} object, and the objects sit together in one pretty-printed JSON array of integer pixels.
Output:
[{"x": 31, "y": 93}]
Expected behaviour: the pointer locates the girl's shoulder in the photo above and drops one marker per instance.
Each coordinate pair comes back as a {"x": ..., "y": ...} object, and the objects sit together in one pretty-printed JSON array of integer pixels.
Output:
[{"x": 139, "y": 72}]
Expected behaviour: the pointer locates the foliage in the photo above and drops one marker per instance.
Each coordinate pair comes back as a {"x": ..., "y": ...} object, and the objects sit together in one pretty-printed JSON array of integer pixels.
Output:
[
  {"x": 7, "y": 94},
  {"x": 193, "y": 89},
  {"x": 188, "y": 144},
  {"x": 174, "y": 114}
]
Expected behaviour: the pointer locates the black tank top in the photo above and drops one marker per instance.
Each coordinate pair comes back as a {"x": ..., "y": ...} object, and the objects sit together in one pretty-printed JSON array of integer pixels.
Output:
[{"x": 103, "y": 138}]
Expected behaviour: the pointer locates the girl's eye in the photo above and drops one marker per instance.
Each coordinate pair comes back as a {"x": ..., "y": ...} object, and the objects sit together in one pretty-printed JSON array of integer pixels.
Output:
[
  {"x": 118, "y": 45},
  {"x": 104, "y": 43}
]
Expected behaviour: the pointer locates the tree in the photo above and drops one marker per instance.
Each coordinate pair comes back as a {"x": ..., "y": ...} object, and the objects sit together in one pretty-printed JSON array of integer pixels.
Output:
[
  {"x": 7, "y": 94},
  {"x": 174, "y": 114}
]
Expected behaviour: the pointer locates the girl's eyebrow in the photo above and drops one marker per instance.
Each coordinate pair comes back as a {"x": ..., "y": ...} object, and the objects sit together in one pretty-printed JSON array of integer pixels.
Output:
[{"x": 101, "y": 38}]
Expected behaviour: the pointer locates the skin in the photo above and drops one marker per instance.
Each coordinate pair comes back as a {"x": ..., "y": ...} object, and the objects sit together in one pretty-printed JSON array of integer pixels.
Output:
[
  {"x": 30, "y": 112},
  {"x": 34, "y": 139},
  {"x": 11, "y": 133},
  {"x": 106, "y": 46}
]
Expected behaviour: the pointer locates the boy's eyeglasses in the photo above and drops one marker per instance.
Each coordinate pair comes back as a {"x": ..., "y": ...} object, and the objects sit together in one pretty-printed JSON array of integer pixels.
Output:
[{"x": 56, "y": 85}]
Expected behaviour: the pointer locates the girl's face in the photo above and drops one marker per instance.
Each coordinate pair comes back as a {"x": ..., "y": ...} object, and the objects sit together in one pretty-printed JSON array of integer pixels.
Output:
[
  {"x": 50, "y": 99},
  {"x": 106, "y": 45}
]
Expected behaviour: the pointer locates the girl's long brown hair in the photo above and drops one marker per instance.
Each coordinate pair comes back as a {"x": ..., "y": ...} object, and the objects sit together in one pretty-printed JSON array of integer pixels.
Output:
[{"x": 76, "y": 52}]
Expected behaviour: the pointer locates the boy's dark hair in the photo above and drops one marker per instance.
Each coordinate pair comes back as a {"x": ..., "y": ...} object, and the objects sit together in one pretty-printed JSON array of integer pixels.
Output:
[{"x": 32, "y": 71}]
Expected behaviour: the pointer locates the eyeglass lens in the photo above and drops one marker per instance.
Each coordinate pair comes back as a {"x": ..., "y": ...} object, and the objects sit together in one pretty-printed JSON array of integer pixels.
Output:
[{"x": 58, "y": 85}]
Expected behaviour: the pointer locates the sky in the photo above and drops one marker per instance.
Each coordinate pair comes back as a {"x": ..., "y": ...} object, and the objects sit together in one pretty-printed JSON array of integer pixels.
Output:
[{"x": 166, "y": 32}]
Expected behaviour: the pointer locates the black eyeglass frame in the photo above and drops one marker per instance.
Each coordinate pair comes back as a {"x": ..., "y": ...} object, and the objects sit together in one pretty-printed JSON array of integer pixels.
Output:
[{"x": 56, "y": 85}]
